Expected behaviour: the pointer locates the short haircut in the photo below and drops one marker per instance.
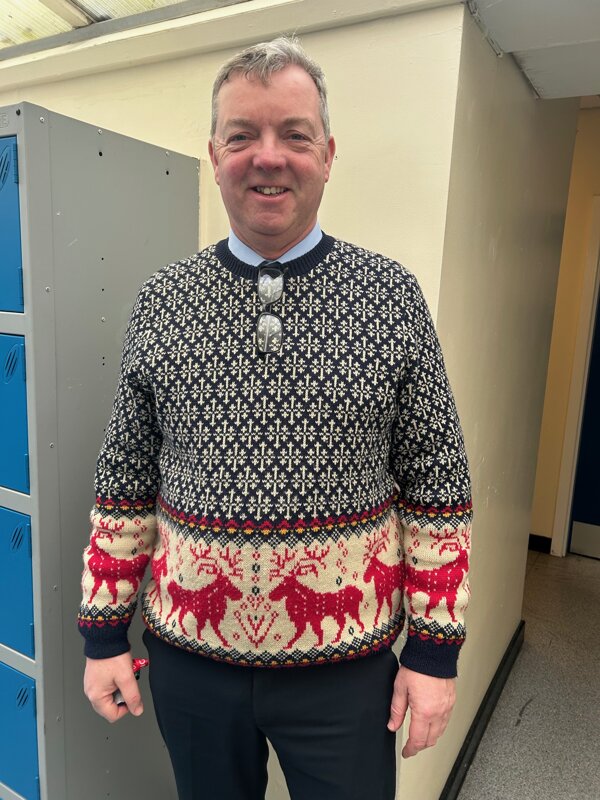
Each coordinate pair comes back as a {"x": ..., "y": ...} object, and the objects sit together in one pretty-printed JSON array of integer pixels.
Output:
[{"x": 261, "y": 61}]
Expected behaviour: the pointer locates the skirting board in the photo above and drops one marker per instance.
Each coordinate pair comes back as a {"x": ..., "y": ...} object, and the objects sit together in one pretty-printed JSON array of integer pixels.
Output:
[{"x": 467, "y": 752}]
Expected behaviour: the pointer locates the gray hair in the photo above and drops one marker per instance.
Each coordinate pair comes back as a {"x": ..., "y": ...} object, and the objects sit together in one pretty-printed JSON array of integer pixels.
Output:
[{"x": 261, "y": 61}]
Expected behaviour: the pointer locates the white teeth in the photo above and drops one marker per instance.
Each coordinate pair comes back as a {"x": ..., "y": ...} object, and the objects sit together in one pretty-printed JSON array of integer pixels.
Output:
[{"x": 270, "y": 189}]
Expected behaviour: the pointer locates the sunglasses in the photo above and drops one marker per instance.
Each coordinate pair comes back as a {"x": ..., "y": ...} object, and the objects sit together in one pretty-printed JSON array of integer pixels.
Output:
[{"x": 269, "y": 327}]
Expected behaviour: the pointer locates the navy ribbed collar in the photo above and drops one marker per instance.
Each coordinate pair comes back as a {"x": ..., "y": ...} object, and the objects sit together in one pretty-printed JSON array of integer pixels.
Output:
[{"x": 295, "y": 268}]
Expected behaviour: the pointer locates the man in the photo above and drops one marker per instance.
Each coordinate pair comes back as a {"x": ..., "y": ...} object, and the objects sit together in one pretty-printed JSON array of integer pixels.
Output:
[{"x": 284, "y": 448}]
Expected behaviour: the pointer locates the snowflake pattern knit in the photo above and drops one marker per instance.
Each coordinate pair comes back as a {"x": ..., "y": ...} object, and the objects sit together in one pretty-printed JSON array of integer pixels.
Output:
[{"x": 287, "y": 504}]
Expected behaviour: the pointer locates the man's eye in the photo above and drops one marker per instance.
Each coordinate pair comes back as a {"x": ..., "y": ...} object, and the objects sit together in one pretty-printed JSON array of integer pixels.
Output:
[
  {"x": 237, "y": 137},
  {"x": 298, "y": 137}
]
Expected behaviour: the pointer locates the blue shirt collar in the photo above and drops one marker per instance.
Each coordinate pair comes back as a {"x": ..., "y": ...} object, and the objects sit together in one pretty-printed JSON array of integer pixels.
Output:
[{"x": 249, "y": 256}]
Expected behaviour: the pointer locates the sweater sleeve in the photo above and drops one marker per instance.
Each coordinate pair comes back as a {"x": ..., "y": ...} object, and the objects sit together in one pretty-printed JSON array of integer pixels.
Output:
[
  {"x": 430, "y": 466},
  {"x": 123, "y": 518}
]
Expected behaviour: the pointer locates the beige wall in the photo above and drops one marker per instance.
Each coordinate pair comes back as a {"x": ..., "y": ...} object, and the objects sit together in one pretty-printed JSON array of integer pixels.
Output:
[
  {"x": 508, "y": 189},
  {"x": 469, "y": 196},
  {"x": 585, "y": 183},
  {"x": 393, "y": 85}
]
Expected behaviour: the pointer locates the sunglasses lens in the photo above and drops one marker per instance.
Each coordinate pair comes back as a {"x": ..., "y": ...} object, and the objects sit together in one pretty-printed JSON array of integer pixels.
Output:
[
  {"x": 270, "y": 286},
  {"x": 269, "y": 333}
]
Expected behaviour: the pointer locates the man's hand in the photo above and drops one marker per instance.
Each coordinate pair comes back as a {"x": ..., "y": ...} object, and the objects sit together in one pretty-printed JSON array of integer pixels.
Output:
[
  {"x": 103, "y": 676},
  {"x": 430, "y": 701}
]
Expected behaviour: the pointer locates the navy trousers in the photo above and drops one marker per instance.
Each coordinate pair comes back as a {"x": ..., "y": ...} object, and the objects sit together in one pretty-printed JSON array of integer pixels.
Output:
[{"x": 326, "y": 723}]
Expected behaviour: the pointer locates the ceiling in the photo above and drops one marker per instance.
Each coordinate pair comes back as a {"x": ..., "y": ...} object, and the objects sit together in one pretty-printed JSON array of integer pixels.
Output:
[
  {"x": 29, "y": 26},
  {"x": 555, "y": 42}
]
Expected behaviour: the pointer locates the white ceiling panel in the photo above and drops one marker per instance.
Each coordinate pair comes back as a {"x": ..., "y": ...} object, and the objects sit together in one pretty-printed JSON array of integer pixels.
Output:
[
  {"x": 555, "y": 42},
  {"x": 569, "y": 71},
  {"x": 517, "y": 25}
]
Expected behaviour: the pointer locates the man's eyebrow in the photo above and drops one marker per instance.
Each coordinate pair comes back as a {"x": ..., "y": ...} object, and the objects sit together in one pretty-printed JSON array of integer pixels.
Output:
[
  {"x": 295, "y": 121},
  {"x": 238, "y": 122},
  {"x": 288, "y": 122}
]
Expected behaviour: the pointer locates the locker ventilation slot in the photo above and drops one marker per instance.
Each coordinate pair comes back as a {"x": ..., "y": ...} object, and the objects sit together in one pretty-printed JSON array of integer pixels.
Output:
[
  {"x": 10, "y": 365},
  {"x": 16, "y": 540},
  {"x": 22, "y": 697},
  {"x": 4, "y": 166}
]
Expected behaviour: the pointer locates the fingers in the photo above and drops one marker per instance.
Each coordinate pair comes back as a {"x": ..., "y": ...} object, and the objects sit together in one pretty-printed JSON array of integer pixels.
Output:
[
  {"x": 107, "y": 708},
  {"x": 431, "y": 701},
  {"x": 103, "y": 677},
  {"x": 418, "y": 733},
  {"x": 422, "y": 734}
]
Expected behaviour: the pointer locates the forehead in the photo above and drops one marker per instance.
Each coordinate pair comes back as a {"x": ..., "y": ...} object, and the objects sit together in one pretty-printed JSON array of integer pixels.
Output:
[{"x": 290, "y": 92}]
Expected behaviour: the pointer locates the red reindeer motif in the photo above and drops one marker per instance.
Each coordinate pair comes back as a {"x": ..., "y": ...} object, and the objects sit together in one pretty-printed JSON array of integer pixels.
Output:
[
  {"x": 386, "y": 577},
  {"x": 209, "y": 603},
  {"x": 159, "y": 568},
  {"x": 108, "y": 569},
  {"x": 441, "y": 583},
  {"x": 307, "y": 606}
]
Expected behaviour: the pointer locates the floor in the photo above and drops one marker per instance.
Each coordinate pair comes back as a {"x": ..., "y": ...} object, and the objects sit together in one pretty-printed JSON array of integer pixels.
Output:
[{"x": 543, "y": 741}]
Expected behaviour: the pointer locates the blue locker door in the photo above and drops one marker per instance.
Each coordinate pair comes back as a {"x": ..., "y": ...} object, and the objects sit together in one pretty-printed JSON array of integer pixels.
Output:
[
  {"x": 18, "y": 734},
  {"x": 11, "y": 276},
  {"x": 14, "y": 452},
  {"x": 16, "y": 589}
]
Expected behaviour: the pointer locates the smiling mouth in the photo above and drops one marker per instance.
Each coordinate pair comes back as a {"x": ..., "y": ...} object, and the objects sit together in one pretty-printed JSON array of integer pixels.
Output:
[{"x": 267, "y": 190}]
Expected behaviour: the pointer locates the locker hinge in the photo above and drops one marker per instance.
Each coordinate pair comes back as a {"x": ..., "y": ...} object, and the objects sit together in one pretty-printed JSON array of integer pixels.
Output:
[
  {"x": 32, "y": 637},
  {"x": 27, "y": 470},
  {"x": 37, "y": 786},
  {"x": 15, "y": 164},
  {"x": 28, "y": 526}
]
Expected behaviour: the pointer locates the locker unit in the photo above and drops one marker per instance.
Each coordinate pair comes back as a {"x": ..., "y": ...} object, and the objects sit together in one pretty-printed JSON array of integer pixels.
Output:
[{"x": 86, "y": 215}]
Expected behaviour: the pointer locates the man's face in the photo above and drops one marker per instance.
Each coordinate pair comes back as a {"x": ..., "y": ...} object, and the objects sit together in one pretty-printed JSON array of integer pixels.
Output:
[{"x": 271, "y": 158}]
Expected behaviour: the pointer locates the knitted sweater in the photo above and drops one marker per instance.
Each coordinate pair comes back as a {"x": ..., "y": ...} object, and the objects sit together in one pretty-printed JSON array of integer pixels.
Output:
[{"x": 286, "y": 503}]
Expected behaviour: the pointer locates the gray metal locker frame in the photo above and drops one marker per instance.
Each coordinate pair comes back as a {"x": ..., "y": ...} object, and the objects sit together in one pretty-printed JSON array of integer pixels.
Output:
[{"x": 100, "y": 212}]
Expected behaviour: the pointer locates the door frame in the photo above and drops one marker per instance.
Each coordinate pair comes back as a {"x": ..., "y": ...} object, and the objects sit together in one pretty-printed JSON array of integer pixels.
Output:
[{"x": 578, "y": 383}]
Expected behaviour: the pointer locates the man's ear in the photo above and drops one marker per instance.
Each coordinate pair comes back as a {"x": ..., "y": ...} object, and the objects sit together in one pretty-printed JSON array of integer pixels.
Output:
[
  {"x": 213, "y": 159},
  {"x": 329, "y": 156}
]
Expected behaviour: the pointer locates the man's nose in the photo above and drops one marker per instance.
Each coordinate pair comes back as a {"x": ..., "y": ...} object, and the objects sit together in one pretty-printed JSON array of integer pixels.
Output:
[{"x": 269, "y": 153}]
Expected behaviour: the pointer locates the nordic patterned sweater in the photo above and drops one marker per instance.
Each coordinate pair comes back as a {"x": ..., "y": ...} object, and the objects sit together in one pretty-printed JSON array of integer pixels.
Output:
[{"x": 294, "y": 508}]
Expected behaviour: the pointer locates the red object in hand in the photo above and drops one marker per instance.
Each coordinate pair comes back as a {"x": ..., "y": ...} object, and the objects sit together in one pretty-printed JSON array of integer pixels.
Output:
[{"x": 137, "y": 664}]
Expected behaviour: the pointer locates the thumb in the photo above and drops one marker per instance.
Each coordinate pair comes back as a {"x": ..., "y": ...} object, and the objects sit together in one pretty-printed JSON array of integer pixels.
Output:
[
  {"x": 130, "y": 692},
  {"x": 398, "y": 707}
]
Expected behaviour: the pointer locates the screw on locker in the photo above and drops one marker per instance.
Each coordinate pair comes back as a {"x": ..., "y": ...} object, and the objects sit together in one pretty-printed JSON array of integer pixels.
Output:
[
  {"x": 42, "y": 119},
  {"x": 48, "y": 289}
]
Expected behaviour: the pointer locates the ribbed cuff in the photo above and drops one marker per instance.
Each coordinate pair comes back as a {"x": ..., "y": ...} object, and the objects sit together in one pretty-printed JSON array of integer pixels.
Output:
[
  {"x": 96, "y": 648},
  {"x": 104, "y": 641},
  {"x": 430, "y": 658}
]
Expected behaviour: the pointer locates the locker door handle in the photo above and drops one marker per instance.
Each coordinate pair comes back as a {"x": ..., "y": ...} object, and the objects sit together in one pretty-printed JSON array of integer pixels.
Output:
[
  {"x": 22, "y": 697},
  {"x": 4, "y": 166},
  {"x": 12, "y": 362},
  {"x": 15, "y": 163},
  {"x": 17, "y": 538}
]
